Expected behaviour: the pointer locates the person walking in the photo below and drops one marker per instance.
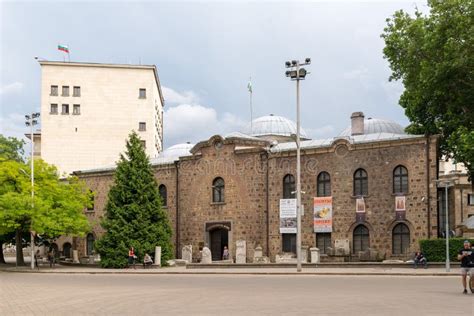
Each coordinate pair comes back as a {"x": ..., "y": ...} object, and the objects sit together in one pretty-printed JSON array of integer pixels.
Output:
[
  {"x": 131, "y": 257},
  {"x": 225, "y": 254},
  {"x": 36, "y": 259},
  {"x": 466, "y": 256}
]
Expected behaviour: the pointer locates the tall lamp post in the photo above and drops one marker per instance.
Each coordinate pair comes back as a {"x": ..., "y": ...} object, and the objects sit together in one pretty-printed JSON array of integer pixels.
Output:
[
  {"x": 297, "y": 73},
  {"x": 31, "y": 120},
  {"x": 446, "y": 184}
]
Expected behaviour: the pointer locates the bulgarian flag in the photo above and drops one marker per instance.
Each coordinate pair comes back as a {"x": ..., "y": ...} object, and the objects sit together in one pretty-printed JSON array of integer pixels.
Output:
[{"x": 64, "y": 48}]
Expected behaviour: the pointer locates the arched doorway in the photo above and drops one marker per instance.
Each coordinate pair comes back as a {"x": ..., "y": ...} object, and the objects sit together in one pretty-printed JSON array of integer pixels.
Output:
[
  {"x": 67, "y": 250},
  {"x": 219, "y": 238}
]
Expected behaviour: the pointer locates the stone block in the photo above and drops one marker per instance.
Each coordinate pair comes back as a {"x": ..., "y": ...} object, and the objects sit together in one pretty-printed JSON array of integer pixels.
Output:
[
  {"x": 206, "y": 256},
  {"x": 315, "y": 255},
  {"x": 187, "y": 253},
  {"x": 241, "y": 251},
  {"x": 157, "y": 256}
]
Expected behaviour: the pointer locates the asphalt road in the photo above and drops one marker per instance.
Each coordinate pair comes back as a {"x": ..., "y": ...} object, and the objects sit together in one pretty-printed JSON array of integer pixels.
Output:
[{"x": 62, "y": 294}]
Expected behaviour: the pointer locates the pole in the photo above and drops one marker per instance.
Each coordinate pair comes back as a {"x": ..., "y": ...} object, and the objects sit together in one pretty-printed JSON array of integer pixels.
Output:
[
  {"x": 251, "y": 111},
  {"x": 32, "y": 236},
  {"x": 298, "y": 172},
  {"x": 447, "y": 229}
]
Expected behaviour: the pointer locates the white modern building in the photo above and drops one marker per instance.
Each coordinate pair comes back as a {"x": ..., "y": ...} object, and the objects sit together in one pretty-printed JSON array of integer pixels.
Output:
[{"x": 89, "y": 109}]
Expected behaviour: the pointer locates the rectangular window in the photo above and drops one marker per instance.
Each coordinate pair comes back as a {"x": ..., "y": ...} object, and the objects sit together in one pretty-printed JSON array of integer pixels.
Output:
[
  {"x": 54, "y": 90},
  {"x": 76, "y": 109},
  {"x": 91, "y": 205},
  {"x": 323, "y": 242},
  {"x": 65, "y": 109},
  {"x": 142, "y": 93},
  {"x": 288, "y": 243},
  {"x": 142, "y": 126},
  {"x": 76, "y": 92},
  {"x": 65, "y": 91},
  {"x": 143, "y": 143},
  {"x": 54, "y": 109},
  {"x": 470, "y": 199}
]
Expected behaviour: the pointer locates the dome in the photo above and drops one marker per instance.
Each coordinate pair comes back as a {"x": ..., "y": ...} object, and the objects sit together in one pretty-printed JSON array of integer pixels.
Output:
[
  {"x": 375, "y": 126},
  {"x": 272, "y": 125},
  {"x": 178, "y": 150}
]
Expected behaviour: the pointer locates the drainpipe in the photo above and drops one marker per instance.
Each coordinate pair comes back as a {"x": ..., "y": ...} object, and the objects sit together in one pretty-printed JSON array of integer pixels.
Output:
[
  {"x": 266, "y": 206},
  {"x": 176, "y": 165},
  {"x": 428, "y": 196}
]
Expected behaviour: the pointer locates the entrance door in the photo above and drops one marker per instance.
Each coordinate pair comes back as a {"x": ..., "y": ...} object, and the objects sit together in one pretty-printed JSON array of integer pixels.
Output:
[{"x": 219, "y": 239}]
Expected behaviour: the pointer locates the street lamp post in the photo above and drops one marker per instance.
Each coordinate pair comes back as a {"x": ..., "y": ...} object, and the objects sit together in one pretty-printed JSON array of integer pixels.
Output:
[
  {"x": 31, "y": 120},
  {"x": 446, "y": 184},
  {"x": 297, "y": 73}
]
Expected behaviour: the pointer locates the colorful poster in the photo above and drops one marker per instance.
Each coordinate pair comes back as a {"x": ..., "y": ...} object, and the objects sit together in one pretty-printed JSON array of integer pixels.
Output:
[
  {"x": 323, "y": 214},
  {"x": 400, "y": 208},
  {"x": 360, "y": 210},
  {"x": 287, "y": 216}
]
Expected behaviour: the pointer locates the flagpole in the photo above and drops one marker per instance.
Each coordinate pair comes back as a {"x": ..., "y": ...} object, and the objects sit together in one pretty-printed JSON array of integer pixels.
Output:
[
  {"x": 68, "y": 53},
  {"x": 251, "y": 111}
]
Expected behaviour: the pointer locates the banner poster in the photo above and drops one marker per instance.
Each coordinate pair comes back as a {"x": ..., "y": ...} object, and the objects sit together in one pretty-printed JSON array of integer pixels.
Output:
[
  {"x": 323, "y": 214},
  {"x": 400, "y": 207},
  {"x": 360, "y": 210},
  {"x": 287, "y": 216}
]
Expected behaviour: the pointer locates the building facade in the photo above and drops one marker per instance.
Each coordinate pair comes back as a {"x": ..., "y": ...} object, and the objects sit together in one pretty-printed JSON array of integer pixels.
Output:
[
  {"x": 88, "y": 110},
  {"x": 230, "y": 188}
]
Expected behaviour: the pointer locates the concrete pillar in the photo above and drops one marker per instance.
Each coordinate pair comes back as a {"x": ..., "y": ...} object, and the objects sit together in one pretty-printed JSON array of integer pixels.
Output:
[
  {"x": 157, "y": 256},
  {"x": 315, "y": 258},
  {"x": 75, "y": 256}
]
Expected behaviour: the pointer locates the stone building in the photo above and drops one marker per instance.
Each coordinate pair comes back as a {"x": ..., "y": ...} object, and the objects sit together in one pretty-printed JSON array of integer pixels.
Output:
[{"x": 229, "y": 188}]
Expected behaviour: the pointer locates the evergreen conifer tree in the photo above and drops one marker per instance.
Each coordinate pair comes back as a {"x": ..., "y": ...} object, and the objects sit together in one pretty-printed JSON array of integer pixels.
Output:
[{"x": 134, "y": 215}]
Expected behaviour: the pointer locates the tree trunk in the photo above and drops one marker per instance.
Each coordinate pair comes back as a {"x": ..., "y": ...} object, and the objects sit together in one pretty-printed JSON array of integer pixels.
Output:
[
  {"x": 20, "y": 261},
  {"x": 2, "y": 258}
]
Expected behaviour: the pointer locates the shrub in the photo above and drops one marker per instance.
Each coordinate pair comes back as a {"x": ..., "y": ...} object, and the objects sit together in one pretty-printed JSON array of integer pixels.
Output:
[{"x": 435, "y": 249}]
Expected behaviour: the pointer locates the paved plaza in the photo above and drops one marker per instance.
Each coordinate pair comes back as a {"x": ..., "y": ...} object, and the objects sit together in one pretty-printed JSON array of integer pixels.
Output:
[{"x": 138, "y": 294}]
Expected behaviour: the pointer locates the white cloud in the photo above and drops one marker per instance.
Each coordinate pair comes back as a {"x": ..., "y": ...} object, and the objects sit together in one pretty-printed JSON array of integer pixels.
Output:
[
  {"x": 361, "y": 73},
  {"x": 13, "y": 124},
  {"x": 174, "y": 97},
  {"x": 15, "y": 87}
]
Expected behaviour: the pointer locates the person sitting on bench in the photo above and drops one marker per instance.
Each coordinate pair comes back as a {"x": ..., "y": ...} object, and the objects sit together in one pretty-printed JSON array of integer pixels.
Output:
[
  {"x": 420, "y": 260},
  {"x": 147, "y": 261}
]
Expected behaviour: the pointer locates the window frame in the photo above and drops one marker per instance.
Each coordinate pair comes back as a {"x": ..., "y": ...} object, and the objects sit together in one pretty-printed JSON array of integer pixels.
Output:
[
  {"x": 324, "y": 240},
  {"x": 74, "y": 89},
  {"x": 51, "y": 109},
  {"x": 289, "y": 186},
  {"x": 90, "y": 242},
  {"x": 74, "y": 107},
  {"x": 218, "y": 190},
  {"x": 63, "y": 89},
  {"x": 163, "y": 191},
  {"x": 288, "y": 246},
  {"x": 140, "y": 124},
  {"x": 323, "y": 181},
  {"x": 361, "y": 181},
  {"x": 64, "y": 106},
  {"x": 51, "y": 91},
  {"x": 140, "y": 95},
  {"x": 360, "y": 235},
  {"x": 400, "y": 175},
  {"x": 404, "y": 237}
]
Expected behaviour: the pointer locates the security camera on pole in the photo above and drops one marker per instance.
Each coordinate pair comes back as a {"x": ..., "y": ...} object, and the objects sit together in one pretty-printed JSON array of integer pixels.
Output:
[
  {"x": 296, "y": 72},
  {"x": 31, "y": 120}
]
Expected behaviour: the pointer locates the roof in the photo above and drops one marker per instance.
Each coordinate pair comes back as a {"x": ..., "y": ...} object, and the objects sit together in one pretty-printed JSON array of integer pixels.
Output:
[
  {"x": 375, "y": 126},
  {"x": 177, "y": 151},
  {"x": 101, "y": 65},
  {"x": 272, "y": 125}
]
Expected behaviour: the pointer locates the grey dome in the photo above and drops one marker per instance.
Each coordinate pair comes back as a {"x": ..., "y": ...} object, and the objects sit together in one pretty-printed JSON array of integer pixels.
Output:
[
  {"x": 272, "y": 125},
  {"x": 375, "y": 126},
  {"x": 178, "y": 150}
]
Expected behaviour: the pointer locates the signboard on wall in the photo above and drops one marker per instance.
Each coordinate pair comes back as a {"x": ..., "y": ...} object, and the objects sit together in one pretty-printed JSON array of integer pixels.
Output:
[
  {"x": 400, "y": 207},
  {"x": 287, "y": 216},
  {"x": 360, "y": 210},
  {"x": 322, "y": 214}
]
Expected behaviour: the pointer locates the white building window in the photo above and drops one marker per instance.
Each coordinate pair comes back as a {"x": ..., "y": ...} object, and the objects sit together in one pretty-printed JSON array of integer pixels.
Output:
[
  {"x": 142, "y": 126},
  {"x": 54, "y": 109},
  {"x": 76, "y": 109},
  {"x": 142, "y": 93},
  {"x": 65, "y": 91},
  {"x": 65, "y": 109},
  {"x": 54, "y": 90},
  {"x": 470, "y": 199},
  {"x": 76, "y": 92},
  {"x": 143, "y": 143}
]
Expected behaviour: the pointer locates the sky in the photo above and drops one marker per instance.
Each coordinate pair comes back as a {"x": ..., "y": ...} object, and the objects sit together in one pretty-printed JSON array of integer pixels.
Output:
[{"x": 205, "y": 52}]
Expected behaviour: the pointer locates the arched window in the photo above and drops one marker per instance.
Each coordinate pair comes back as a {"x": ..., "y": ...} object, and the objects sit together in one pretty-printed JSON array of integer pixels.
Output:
[
  {"x": 163, "y": 194},
  {"x": 67, "y": 250},
  {"x": 90, "y": 244},
  {"x": 360, "y": 240},
  {"x": 400, "y": 180},
  {"x": 361, "y": 183},
  {"x": 218, "y": 190},
  {"x": 400, "y": 239},
  {"x": 324, "y": 184},
  {"x": 289, "y": 187}
]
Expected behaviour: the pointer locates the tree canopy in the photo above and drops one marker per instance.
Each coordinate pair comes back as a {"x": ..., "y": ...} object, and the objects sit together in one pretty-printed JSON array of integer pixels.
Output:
[
  {"x": 58, "y": 205},
  {"x": 134, "y": 215},
  {"x": 433, "y": 55}
]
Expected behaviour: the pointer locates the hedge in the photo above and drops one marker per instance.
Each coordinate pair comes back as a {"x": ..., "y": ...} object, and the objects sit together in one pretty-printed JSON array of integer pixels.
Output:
[{"x": 435, "y": 249}]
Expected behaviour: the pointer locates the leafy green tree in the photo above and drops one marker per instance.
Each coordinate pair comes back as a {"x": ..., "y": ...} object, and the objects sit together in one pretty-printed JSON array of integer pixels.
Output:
[
  {"x": 11, "y": 148},
  {"x": 57, "y": 208},
  {"x": 433, "y": 55},
  {"x": 134, "y": 216}
]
